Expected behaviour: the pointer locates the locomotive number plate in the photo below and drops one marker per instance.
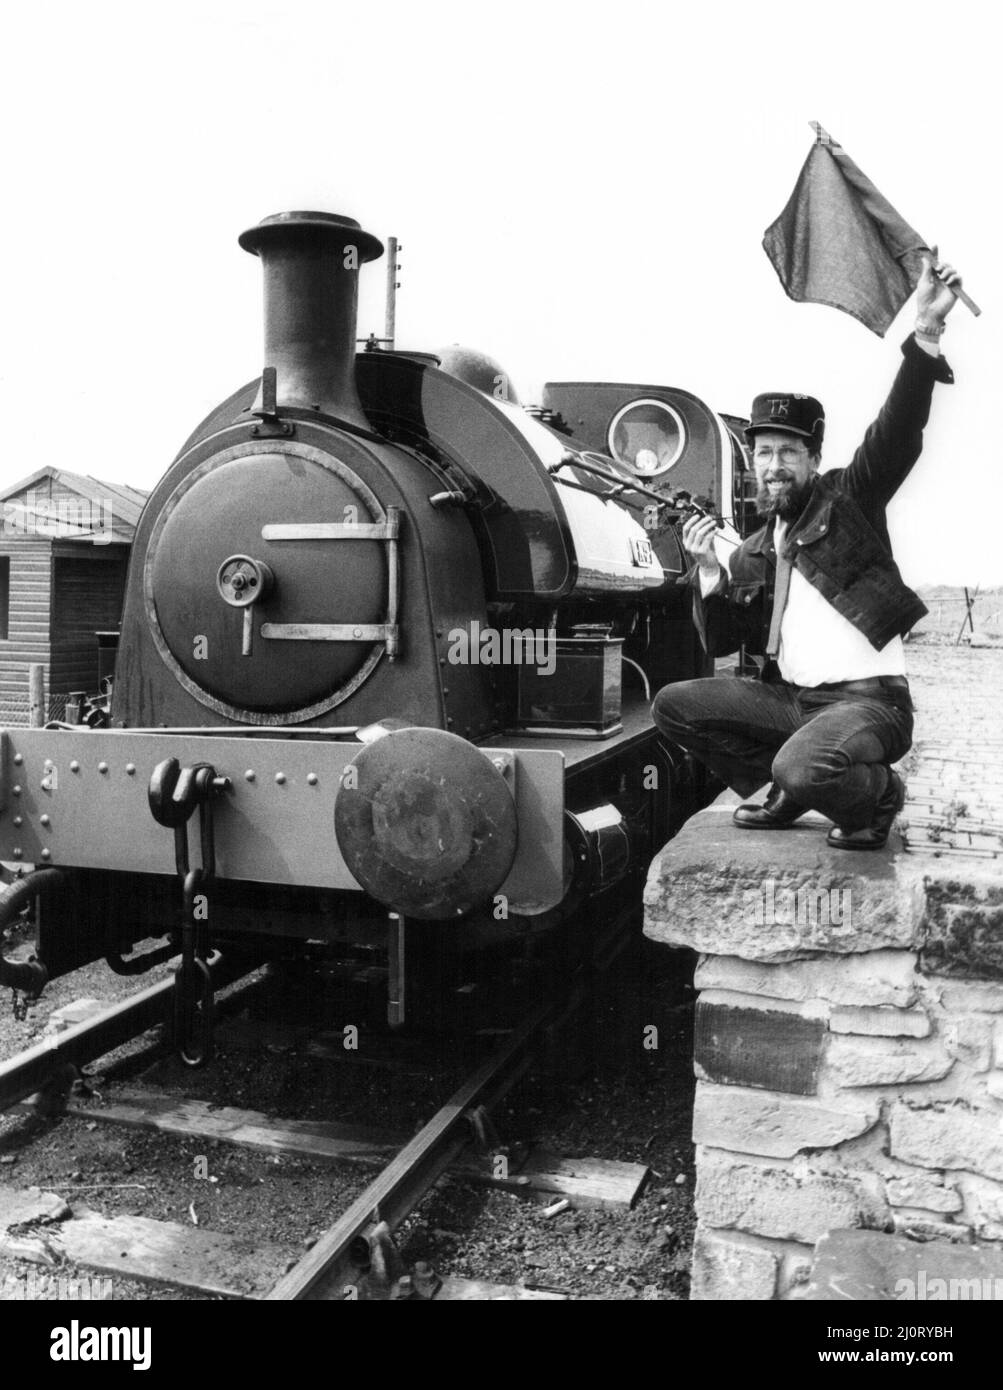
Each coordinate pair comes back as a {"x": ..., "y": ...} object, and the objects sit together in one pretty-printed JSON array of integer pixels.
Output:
[{"x": 640, "y": 549}]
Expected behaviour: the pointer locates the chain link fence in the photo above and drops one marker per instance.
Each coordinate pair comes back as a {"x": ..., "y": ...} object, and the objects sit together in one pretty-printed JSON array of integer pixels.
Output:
[{"x": 14, "y": 709}]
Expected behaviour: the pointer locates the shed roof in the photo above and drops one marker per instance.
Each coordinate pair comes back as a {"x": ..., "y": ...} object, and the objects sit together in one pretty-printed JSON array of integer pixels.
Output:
[{"x": 117, "y": 502}]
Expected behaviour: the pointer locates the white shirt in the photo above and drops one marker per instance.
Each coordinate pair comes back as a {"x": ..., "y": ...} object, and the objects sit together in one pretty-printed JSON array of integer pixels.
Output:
[{"x": 817, "y": 644}]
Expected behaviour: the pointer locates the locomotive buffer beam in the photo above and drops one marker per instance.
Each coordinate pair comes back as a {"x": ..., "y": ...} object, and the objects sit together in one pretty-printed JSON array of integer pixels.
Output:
[{"x": 286, "y": 788}]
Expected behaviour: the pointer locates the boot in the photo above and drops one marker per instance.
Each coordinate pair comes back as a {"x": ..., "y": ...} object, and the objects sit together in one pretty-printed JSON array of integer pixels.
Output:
[
  {"x": 875, "y": 835},
  {"x": 777, "y": 812}
]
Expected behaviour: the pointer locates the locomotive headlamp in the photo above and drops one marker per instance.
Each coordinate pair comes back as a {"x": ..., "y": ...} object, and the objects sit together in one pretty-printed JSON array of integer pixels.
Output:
[
  {"x": 648, "y": 436},
  {"x": 243, "y": 582}
]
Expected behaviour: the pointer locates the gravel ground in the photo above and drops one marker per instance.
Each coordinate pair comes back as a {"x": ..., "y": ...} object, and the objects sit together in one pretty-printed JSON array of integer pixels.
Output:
[{"x": 624, "y": 1102}]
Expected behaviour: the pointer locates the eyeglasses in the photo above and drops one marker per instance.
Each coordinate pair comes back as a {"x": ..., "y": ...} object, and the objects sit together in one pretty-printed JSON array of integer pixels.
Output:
[{"x": 786, "y": 453}]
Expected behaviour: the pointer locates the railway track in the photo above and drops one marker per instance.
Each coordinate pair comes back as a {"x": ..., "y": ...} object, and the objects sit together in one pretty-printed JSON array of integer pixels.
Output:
[{"x": 355, "y": 1258}]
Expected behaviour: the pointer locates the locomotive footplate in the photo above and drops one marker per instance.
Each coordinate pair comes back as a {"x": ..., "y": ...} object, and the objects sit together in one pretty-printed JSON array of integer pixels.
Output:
[
  {"x": 580, "y": 754},
  {"x": 79, "y": 799}
]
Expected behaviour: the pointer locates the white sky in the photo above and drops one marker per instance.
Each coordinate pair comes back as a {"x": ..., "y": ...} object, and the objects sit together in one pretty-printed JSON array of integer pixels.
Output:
[{"x": 580, "y": 190}]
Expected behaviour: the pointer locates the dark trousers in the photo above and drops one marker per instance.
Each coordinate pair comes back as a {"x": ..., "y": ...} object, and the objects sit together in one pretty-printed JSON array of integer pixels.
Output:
[{"x": 827, "y": 748}]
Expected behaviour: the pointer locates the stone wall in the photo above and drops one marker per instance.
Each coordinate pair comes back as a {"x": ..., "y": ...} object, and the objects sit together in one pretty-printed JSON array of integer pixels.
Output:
[{"x": 848, "y": 1047}]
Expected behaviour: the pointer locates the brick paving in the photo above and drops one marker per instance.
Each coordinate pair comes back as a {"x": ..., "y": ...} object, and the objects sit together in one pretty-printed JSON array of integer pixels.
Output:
[{"x": 954, "y": 803}]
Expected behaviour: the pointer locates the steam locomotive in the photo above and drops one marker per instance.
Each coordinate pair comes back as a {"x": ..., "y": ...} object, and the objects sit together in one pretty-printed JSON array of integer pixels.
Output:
[{"x": 386, "y": 658}]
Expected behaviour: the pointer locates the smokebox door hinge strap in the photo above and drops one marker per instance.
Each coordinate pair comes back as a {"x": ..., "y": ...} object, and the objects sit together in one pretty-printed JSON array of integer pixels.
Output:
[{"x": 389, "y": 632}]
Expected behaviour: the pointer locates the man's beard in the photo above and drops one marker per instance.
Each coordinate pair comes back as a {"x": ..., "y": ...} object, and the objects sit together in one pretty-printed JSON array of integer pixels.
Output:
[{"x": 787, "y": 504}]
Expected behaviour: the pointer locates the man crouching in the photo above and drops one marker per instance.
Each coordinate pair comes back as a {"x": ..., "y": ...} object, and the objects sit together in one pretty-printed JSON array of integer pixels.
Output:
[{"x": 817, "y": 592}]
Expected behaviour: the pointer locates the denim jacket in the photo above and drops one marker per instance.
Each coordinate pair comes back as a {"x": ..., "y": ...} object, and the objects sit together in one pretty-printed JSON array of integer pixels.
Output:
[{"x": 840, "y": 542}]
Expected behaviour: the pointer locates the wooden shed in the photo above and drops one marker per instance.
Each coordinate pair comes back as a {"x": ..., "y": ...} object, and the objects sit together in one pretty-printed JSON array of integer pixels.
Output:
[{"x": 64, "y": 551}]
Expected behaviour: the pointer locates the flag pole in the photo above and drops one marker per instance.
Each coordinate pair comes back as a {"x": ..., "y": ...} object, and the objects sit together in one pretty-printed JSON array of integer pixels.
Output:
[{"x": 822, "y": 137}]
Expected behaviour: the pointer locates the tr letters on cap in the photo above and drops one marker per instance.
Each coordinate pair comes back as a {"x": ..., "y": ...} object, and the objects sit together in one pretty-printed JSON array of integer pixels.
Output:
[{"x": 788, "y": 411}]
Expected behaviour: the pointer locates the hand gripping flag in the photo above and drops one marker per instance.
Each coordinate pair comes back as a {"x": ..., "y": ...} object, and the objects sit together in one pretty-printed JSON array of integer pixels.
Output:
[{"x": 840, "y": 242}]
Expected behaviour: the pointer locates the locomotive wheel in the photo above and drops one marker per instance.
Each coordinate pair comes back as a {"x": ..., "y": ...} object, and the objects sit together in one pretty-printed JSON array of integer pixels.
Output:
[{"x": 426, "y": 823}]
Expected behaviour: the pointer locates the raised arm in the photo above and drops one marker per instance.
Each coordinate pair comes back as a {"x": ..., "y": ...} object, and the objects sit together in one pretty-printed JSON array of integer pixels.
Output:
[{"x": 894, "y": 441}]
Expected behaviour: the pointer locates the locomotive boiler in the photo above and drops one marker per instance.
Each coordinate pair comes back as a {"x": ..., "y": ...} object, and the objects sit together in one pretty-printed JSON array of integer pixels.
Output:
[{"x": 385, "y": 666}]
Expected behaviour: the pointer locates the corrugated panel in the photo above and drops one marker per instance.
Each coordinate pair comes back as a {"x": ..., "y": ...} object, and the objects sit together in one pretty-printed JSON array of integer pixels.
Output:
[
  {"x": 28, "y": 606},
  {"x": 23, "y": 546}
]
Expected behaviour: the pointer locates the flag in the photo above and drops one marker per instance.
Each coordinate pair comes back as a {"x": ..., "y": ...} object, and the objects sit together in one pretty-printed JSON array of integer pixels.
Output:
[{"x": 839, "y": 242}]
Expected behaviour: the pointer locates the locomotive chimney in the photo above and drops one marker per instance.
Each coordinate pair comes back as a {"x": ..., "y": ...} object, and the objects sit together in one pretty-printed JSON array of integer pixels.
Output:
[{"x": 311, "y": 267}]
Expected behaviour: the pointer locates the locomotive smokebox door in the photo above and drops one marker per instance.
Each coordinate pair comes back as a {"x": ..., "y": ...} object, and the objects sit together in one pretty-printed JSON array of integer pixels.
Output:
[
  {"x": 270, "y": 583},
  {"x": 426, "y": 823}
]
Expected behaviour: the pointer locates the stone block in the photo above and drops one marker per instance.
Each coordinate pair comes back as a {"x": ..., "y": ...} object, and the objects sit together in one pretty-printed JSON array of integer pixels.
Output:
[
  {"x": 880, "y": 1022},
  {"x": 768, "y": 1200},
  {"x": 770, "y": 1049},
  {"x": 858, "y": 1061},
  {"x": 970, "y": 1040},
  {"x": 727, "y": 1268},
  {"x": 800, "y": 1008},
  {"x": 874, "y": 978},
  {"x": 998, "y": 1045},
  {"x": 777, "y": 1126},
  {"x": 983, "y": 1200},
  {"x": 868, "y": 1266},
  {"x": 725, "y": 891},
  {"x": 918, "y": 1226},
  {"x": 954, "y": 1134},
  {"x": 923, "y": 1192},
  {"x": 994, "y": 1084},
  {"x": 962, "y": 928},
  {"x": 972, "y": 996},
  {"x": 795, "y": 1272}
]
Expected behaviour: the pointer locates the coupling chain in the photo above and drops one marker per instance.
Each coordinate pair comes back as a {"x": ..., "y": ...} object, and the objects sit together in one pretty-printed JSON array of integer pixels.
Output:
[
  {"x": 193, "y": 989},
  {"x": 175, "y": 794},
  {"x": 20, "y": 1004}
]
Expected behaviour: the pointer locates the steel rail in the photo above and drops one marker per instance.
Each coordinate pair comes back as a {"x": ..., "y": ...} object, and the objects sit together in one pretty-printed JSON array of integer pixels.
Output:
[
  {"x": 29, "y": 1071},
  {"x": 328, "y": 1268}
]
